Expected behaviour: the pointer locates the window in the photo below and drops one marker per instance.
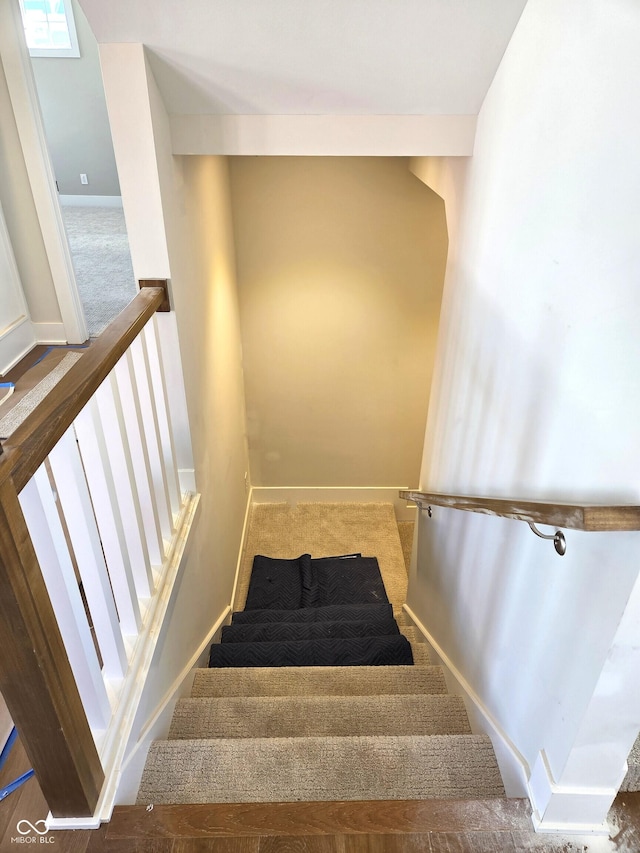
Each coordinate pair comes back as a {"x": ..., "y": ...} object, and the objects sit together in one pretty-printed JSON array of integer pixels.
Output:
[{"x": 49, "y": 28}]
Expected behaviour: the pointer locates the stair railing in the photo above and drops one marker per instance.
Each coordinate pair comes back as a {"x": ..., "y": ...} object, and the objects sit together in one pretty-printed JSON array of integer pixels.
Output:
[
  {"x": 92, "y": 534},
  {"x": 588, "y": 517}
]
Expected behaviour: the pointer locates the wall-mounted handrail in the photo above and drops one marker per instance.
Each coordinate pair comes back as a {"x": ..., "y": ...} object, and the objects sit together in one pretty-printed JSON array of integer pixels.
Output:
[
  {"x": 592, "y": 517},
  {"x": 587, "y": 517},
  {"x": 37, "y": 678}
]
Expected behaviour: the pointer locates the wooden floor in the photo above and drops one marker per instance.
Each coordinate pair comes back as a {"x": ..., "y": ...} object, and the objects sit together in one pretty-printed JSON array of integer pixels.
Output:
[{"x": 501, "y": 826}]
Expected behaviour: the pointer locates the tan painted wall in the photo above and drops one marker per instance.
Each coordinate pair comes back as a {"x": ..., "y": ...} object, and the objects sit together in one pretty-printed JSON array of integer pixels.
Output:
[
  {"x": 22, "y": 220},
  {"x": 340, "y": 271}
]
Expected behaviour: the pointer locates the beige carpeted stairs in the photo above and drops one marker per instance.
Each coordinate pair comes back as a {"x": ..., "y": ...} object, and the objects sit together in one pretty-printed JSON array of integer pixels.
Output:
[
  {"x": 631, "y": 781},
  {"x": 288, "y": 734}
]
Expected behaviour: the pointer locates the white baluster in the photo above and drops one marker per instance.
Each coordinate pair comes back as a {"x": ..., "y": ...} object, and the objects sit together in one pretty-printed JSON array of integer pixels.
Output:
[
  {"x": 47, "y": 535},
  {"x": 147, "y": 402},
  {"x": 140, "y": 458},
  {"x": 95, "y": 458},
  {"x": 159, "y": 381},
  {"x": 75, "y": 501},
  {"x": 108, "y": 401}
]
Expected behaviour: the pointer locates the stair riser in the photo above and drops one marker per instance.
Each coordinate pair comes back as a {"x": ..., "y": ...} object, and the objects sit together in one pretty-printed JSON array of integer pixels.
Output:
[{"x": 318, "y": 681}]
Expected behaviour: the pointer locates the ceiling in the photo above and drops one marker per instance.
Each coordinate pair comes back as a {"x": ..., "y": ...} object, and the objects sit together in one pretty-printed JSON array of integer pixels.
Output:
[{"x": 315, "y": 57}]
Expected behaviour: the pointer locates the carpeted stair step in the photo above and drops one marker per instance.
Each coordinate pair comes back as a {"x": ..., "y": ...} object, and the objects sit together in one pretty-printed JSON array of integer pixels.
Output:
[
  {"x": 358, "y": 651},
  {"x": 330, "y": 613},
  {"x": 411, "y": 634},
  {"x": 420, "y": 654},
  {"x": 267, "y": 632},
  {"x": 318, "y": 681},
  {"x": 320, "y": 768},
  {"x": 418, "y": 648},
  {"x": 306, "y": 716},
  {"x": 631, "y": 781}
]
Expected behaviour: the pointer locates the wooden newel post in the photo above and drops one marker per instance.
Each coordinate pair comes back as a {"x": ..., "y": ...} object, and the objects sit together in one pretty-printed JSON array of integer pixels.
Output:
[{"x": 35, "y": 676}]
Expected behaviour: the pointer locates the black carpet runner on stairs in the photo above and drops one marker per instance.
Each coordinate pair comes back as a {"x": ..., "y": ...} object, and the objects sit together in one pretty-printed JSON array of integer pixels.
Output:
[
  {"x": 305, "y": 582},
  {"x": 331, "y": 611}
]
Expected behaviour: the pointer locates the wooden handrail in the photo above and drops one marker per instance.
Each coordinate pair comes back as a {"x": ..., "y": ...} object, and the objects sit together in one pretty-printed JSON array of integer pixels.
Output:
[
  {"x": 36, "y": 678},
  {"x": 593, "y": 517},
  {"x": 35, "y": 438}
]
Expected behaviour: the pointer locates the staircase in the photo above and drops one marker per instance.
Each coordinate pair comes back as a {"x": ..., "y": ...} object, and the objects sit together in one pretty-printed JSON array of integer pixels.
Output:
[{"x": 315, "y": 733}]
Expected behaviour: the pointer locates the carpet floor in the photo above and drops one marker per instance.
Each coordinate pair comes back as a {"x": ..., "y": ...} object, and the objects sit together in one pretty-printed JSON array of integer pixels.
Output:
[
  {"x": 102, "y": 261},
  {"x": 323, "y": 530}
]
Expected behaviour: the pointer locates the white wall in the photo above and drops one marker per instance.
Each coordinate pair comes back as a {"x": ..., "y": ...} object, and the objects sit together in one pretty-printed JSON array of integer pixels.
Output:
[
  {"x": 340, "y": 270},
  {"x": 75, "y": 117},
  {"x": 179, "y": 223},
  {"x": 537, "y": 395},
  {"x": 22, "y": 220}
]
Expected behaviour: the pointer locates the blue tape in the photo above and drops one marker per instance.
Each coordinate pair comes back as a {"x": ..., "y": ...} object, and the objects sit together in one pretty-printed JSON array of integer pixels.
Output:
[
  {"x": 12, "y": 786},
  {"x": 6, "y": 749},
  {"x": 62, "y": 346}
]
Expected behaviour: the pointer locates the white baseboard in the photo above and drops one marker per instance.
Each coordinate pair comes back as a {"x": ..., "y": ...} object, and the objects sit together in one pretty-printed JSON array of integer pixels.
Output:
[
  {"x": 565, "y": 810},
  {"x": 513, "y": 766},
  {"x": 15, "y": 342},
  {"x": 90, "y": 200},
  {"x": 113, "y": 745},
  {"x": 157, "y": 725},
  {"x": 50, "y": 333},
  {"x": 351, "y": 494},
  {"x": 245, "y": 530}
]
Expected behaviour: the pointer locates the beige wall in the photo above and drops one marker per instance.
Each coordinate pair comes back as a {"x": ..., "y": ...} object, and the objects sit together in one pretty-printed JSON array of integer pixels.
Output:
[
  {"x": 21, "y": 218},
  {"x": 340, "y": 271}
]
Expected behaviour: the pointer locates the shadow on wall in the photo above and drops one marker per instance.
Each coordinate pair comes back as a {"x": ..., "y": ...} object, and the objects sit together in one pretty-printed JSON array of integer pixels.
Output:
[
  {"x": 340, "y": 268},
  {"x": 528, "y": 630}
]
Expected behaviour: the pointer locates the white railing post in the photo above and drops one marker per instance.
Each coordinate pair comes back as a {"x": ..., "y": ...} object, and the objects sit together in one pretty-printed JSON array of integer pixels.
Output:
[
  {"x": 148, "y": 410},
  {"x": 41, "y": 514},
  {"x": 110, "y": 410},
  {"x": 132, "y": 418},
  {"x": 104, "y": 496},
  {"x": 75, "y": 500},
  {"x": 159, "y": 382}
]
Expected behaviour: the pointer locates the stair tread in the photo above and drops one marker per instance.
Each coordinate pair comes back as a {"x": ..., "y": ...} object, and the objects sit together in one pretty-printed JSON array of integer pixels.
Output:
[
  {"x": 299, "y": 716},
  {"x": 320, "y": 768},
  {"x": 318, "y": 680}
]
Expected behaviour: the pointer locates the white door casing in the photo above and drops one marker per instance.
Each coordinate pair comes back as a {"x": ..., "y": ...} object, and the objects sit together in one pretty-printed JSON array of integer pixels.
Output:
[
  {"x": 16, "y": 332},
  {"x": 28, "y": 116}
]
